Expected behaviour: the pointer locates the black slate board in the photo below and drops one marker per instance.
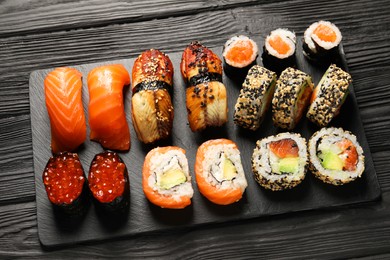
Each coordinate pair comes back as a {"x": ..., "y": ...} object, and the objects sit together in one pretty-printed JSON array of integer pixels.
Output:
[{"x": 57, "y": 230}]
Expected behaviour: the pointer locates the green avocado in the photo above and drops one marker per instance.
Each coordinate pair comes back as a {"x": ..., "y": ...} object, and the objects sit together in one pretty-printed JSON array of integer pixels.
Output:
[
  {"x": 172, "y": 178},
  {"x": 229, "y": 170},
  {"x": 331, "y": 160},
  {"x": 289, "y": 164}
]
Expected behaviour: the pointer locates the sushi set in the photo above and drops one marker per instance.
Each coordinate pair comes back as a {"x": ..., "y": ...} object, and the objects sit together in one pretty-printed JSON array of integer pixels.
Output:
[{"x": 192, "y": 139}]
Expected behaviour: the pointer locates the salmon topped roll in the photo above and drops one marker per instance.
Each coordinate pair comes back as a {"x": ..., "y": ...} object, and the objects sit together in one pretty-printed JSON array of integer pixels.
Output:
[
  {"x": 152, "y": 110},
  {"x": 107, "y": 118},
  {"x": 64, "y": 105},
  {"x": 206, "y": 98},
  {"x": 166, "y": 179},
  {"x": 219, "y": 172}
]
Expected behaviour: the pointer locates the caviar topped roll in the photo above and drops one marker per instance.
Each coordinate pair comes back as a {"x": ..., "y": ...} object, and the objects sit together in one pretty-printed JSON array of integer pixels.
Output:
[
  {"x": 292, "y": 95},
  {"x": 336, "y": 157},
  {"x": 321, "y": 41},
  {"x": 152, "y": 110},
  {"x": 109, "y": 181},
  {"x": 239, "y": 55},
  {"x": 255, "y": 97},
  {"x": 206, "y": 99},
  {"x": 279, "y": 50},
  {"x": 166, "y": 179},
  {"x": 64, "y": 182},
  {"x": 279, "y": 162},
  {"x": 329, "y": 95},
  {"x": 219, "y": 172}
]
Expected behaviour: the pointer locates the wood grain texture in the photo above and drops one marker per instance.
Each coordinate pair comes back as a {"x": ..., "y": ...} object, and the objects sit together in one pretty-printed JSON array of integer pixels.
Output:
[
  {"x": 17, "y": 18},
  {"x": 350, "y": 232}
]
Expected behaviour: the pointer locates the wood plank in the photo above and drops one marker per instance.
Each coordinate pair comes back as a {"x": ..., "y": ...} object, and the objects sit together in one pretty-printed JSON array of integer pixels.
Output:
[
  {"x": 300, "y": 235},
  {"x": 17, "y": 18},
  {"x": 17, "y": 174}
]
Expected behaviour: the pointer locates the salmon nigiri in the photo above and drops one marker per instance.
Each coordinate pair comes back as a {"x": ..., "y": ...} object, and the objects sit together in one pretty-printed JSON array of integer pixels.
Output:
[
  {"x": 65, "y": 108},
  {"x": 107, "y": 118}
]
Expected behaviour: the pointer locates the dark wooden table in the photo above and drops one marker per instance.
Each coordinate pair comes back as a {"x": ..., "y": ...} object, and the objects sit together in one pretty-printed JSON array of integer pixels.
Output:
[{"x": 43, "y": 34}]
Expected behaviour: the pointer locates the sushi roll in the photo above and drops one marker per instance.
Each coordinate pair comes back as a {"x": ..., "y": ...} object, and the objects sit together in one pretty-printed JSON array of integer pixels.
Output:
[
  {"x": 109, "y": 182},
  {"x": 279, "y": 162},
  {"x": 206, "y": 99},
  {"x": 292, "y": 95},
  {"x": 152, "y": 110},
  {"x": 219, "y": 172},
  {"x": 239, "y": 55},
  {"x": 329, "y": 96},
  {"x": 279, "y": 50},
  {"x": 321, "y": 41},
  {"x": 336, "y": 157},
  {"x": 166, "y": 179},
  {"x": 65, "y": 183},
  {"x": 65, "y": 108},
  {"x": 255, "y": 97},
  {"x": 107, "y": 117}
]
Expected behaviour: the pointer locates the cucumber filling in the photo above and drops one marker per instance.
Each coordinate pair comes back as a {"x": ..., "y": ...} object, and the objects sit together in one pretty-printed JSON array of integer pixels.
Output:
[
  {"x": 225, "y": 170},
  {"x": 172, "y": 175}
]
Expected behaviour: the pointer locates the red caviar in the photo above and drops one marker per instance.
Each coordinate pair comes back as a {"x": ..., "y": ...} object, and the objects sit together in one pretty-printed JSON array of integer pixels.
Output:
[
  {"x": 107, "y": 177},
  {"x": 63, "y": 178}
]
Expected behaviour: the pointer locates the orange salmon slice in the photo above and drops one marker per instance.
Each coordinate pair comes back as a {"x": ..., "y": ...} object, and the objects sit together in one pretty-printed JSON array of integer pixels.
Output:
[
  {"x": 284, "y": 148},
  {"x": 325, "y": 33},
  {"x": 279, "y": 45}
]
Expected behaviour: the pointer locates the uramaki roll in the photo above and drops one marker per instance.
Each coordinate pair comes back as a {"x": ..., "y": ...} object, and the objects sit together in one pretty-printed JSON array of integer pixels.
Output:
[
  {"x": 166, "y": 179},
  {"x": 219, "y": 172}
]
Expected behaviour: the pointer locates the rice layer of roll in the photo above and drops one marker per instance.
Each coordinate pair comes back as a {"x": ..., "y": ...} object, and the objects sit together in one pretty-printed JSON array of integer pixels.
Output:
[
  {"x": 336, "y": 157},
  {"x": 328, "y": 96},
  {"x": 279, "y": 162},
  {"x": 255, "y": 97}
]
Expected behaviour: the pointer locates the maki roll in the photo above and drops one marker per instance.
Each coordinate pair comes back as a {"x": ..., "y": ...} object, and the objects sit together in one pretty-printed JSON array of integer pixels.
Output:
[
  {"x": 109, "y": 182},
  {"x": 239, "y": 55},
  {"x": 65, "y": 183},
  {"x": 166, "y": 179},
  {"x": 336, "y": 157},
  {"x": 219, "y": 172},
  {"x": 329, "y": 96},
  {"x": 321, "y": 41},
  {"x": 292, "y": 95},
  {"x": 152, "y": 110},
  {"x": 279, "y": 50},
  {"x": 279, "y": 162},
  {"x": 206, "y": 99},
  {"x": 255, "y": 97}
]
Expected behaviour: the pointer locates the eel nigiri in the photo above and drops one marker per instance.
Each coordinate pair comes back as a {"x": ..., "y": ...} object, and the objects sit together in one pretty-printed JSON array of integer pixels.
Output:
[
  {"x": 219, "y": 172},
  {"x": 152, "y": 110},
  {"x": 107, "y": 118},
  {"x": 206, "y": 98},
  {"x": 65, "y": 108}
]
